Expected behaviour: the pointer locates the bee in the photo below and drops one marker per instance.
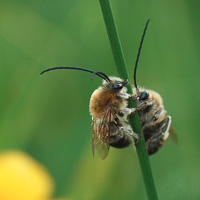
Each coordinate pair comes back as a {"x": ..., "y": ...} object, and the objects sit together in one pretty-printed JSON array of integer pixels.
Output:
[
  {"x": 155, "y": 122},
  {"x": 109, "y": 111}
]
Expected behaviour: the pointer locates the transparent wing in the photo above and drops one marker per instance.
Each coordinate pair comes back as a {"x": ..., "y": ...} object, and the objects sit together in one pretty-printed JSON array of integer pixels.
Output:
[
  {"x": 101, "y": 133},
  {"x": 173, "y": 134},
  {"x": 101, "y": 147}
]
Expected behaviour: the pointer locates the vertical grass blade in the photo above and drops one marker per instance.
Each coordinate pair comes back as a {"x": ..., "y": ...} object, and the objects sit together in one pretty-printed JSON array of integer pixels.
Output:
[{"x": 134, "y": 120}]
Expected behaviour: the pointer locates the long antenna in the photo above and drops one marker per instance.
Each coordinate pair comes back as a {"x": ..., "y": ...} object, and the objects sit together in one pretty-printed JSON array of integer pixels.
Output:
[
  {"x": 138, "y": 55},
  {"x": 100, "y": 74}
]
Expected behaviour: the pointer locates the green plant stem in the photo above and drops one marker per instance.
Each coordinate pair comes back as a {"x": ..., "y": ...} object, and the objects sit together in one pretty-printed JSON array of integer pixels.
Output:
[{"x": 134, "y": 120}]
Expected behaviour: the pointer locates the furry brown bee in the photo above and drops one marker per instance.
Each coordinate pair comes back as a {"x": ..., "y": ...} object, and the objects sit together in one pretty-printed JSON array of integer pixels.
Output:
[
  {"x": 109, "y": 111},
  {"x": 155, "y": 122},
  {"x": 108, "y": 107}
]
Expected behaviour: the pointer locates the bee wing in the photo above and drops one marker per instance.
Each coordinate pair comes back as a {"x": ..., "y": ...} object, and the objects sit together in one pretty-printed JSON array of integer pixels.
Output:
[
  {"x": 101, "y": 133},
  {"x": 173, "y": 134},
  {"x": 98, "y": 145}
]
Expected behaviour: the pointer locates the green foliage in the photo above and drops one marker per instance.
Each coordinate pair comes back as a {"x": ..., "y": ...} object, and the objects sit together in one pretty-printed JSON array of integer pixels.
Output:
[
  {"x": 134, "y": 120},
  {"x": 48, "y": 117}
]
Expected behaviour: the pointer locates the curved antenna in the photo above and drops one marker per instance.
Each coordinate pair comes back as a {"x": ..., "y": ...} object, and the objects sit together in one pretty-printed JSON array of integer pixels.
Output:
[
  {"x": 138, "y": 55},
  {"x": 100, "y": 74}
]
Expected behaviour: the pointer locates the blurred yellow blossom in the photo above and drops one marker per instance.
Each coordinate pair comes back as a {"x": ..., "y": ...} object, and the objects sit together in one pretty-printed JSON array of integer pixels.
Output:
[{"x": 23, "y": 178}]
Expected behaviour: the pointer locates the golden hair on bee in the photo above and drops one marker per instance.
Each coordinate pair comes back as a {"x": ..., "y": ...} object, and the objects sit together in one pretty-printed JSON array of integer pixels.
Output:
[
  {"x": 155, "y": 122},
  {"x": 109, "y": 111}
]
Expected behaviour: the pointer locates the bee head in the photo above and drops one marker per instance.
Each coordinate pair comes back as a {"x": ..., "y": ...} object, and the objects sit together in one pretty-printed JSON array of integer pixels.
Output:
[
  {"x": 141, "y": 93},
  {"x": 115, "y": 84}
]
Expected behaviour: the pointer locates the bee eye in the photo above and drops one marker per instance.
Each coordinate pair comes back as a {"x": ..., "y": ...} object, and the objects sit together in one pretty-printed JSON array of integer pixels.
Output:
[
  {"x": 144, "y": 95},
  {"x": 117, "y": 85}
]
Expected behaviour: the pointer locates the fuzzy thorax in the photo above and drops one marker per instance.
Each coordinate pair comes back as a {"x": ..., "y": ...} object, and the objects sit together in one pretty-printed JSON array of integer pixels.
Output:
[{"x": 105, "y": 96}]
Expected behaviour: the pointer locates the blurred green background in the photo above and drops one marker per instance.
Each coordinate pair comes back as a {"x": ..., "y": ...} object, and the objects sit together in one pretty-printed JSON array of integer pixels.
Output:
[{"x": 47, "y": 116}]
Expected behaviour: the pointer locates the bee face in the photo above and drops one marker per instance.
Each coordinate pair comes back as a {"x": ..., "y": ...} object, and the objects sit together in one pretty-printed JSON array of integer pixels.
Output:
[
  {"x": 143, "y": 95},
  {"x": 115, "y": 84}
]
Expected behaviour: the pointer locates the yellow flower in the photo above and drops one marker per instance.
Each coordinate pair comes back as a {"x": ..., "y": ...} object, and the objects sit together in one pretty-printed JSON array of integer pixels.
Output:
[{"x": 23, "y": 178}]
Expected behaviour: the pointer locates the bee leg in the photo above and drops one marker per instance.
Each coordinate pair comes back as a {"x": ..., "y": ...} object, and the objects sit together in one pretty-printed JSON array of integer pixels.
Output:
[
  {"x": 142, "y": 106},
  {"x": 126, "y": 128},
  {"x": 155, "y": 117},
  {"x": 157, "y": 138},
  {"x": 122, "y": 138},
  {"x": 130, "y": 132},
  {"x": 127, "y": 111},
  {"x": 135, "y": 136},
  {"x": 125, "y": 95},
  {"x": 145, "y": 104}
]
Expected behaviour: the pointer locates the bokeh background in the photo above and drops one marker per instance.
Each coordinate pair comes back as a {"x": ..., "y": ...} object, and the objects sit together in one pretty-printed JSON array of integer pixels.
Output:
[{"x": 47, "y": 116}]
